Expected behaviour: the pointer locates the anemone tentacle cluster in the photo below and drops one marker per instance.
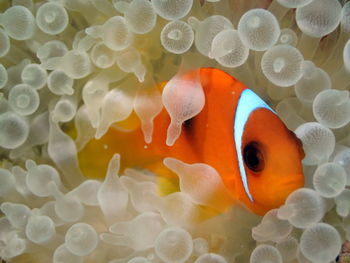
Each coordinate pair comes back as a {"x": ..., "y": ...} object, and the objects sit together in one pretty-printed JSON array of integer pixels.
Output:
[{"x": 92, "y": 63}]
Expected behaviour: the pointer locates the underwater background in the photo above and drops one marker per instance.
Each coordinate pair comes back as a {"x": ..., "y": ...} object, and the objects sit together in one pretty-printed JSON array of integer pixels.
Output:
[{"x": 70, "y": 70}]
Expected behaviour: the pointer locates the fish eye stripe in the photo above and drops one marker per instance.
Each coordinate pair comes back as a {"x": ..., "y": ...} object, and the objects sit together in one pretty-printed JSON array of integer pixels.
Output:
[{"x": 247, "y": 103}]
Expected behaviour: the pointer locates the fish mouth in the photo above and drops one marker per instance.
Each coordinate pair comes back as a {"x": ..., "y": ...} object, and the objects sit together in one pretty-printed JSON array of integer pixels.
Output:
[
  {"x": 300, "y": 145},
  {"x": 291, "y": 184},
  {"x": 294, "y": 181},
  {"x": 286, "y": 188}
]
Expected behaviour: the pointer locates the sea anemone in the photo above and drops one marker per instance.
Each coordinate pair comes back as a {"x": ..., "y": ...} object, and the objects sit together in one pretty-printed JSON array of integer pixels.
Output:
[{"x": 71, "y": 69}]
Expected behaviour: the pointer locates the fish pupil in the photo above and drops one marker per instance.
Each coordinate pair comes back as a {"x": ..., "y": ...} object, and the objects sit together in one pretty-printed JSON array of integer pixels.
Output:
[{"x": 253, "y": 157}]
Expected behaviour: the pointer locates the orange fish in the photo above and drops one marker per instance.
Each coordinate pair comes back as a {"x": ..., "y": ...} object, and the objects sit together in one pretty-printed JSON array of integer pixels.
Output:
[{"x": 237, "y": 133}]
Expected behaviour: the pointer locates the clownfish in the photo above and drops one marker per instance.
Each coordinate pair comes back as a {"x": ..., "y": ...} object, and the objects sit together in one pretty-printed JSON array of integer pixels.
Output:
[{"x": 236, "y": 132}]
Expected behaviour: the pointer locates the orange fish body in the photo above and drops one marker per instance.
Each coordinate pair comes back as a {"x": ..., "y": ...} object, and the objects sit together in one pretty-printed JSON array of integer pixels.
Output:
[{"x": 260, "y": 173}]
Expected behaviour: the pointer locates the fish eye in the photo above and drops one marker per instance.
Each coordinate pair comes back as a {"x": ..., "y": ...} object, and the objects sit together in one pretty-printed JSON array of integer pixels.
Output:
[{"x": 253, "y": 157}]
